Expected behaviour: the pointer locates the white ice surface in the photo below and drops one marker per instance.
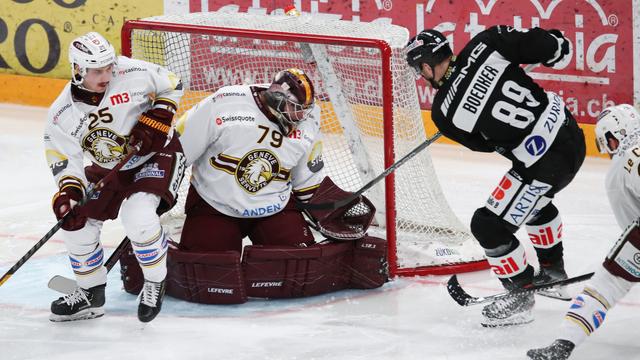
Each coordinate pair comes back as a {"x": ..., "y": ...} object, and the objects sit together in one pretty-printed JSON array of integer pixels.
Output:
[{"x": 409, "y": 318}]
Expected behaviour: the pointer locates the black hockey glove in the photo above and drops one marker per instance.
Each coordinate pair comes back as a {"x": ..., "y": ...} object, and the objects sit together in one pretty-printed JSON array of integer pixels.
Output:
[{"x": 561, "y": 52}]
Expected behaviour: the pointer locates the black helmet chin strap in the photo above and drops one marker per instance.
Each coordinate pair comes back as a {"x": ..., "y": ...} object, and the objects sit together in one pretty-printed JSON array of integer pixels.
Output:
[{"x": 447, "y": 74}]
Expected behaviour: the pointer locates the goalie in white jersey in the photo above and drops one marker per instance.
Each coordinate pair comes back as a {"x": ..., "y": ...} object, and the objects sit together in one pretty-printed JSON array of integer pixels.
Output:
[
  {"x": 252, "y": 147},
  {"x": 618, "y": 134},
  {"x": 110, "y": 103}
]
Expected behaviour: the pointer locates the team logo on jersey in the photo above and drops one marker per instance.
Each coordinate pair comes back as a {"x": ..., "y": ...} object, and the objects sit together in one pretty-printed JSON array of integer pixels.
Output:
[
  {"x": 105, "y": 145},
  {"x": 254, "y": 170}
]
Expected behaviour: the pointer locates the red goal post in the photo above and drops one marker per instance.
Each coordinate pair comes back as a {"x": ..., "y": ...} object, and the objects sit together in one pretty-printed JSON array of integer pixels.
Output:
[{"x": 370, "y": 113}]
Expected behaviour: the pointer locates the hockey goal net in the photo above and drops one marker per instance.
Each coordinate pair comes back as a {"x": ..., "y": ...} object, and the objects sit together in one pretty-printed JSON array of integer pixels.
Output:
[{"x": 370, "y": 113}]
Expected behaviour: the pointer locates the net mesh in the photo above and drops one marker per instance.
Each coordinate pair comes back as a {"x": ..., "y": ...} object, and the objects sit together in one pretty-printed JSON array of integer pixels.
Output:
[{"x": 348, "y": 82}]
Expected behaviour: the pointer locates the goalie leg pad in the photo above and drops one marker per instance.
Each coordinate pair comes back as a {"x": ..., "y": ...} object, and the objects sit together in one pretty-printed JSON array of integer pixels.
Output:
[
  {"x": 624, "y": 260},
  {"x": 289, "y": 272},
  {"x": 206, "y": 277},
  {"x": 369, "y": 269}
]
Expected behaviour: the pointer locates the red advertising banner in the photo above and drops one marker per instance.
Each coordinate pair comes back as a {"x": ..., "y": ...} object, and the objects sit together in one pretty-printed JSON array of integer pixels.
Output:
[{"x": 599, "y": 72}]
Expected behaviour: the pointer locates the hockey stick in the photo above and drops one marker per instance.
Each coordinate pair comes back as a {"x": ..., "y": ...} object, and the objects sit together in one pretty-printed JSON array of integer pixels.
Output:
[
  {"x": 340, "y": 203},
  {"x": 91, "y": 191},
  {"x": 464, "y": 299},
  {"x": 65, "y": 285}
]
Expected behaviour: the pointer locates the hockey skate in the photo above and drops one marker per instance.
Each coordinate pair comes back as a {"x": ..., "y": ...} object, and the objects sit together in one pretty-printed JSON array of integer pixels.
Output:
[
  {"x": 150, "y": 300},
  {"x": 559, "y": 350},
  {"x": 549, "y": 273},
  {"x": 82, "y": 304},
  {"x": 509, "y": 311}
]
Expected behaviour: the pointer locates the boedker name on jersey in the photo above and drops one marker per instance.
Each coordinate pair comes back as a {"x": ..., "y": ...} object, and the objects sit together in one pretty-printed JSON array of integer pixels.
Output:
[{"x": 485, "y": 84}]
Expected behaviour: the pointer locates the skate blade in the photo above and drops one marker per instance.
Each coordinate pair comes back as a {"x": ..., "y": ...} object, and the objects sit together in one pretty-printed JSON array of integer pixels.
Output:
[
  {"x": 85, "y": 314},
  {"x": 559, "y": 293},
  {"x": 518, "y": 319}
]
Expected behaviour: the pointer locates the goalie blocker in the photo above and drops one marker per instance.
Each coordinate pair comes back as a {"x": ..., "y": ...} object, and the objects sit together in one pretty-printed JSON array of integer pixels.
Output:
[{"x": 270, "y": 271}]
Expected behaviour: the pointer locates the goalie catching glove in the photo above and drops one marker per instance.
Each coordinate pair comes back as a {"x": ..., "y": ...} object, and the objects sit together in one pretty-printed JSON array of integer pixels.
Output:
[
  {"x": 152, "y": 130},
  {"x": 64, "y": 201},
  {"x": 349, "y": 222}
]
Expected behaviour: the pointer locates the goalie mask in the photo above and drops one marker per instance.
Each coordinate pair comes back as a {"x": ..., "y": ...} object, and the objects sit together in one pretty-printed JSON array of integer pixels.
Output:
[
  {"x": 290, "y": 98},
  {"x": 89, "y": 51},
  {"x": 615, "y": 122},
  {"x": 428, "y": 47}
]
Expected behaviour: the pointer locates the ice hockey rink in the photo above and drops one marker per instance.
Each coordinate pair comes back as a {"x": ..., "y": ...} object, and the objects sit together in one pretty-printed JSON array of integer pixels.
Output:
[{"x": 408, "y": 318}]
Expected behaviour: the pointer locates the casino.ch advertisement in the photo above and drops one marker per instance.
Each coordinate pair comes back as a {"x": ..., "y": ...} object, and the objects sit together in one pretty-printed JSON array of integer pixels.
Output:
[
  {"x": 35, "y": 34},
  {"x": 598, "y": 73}
]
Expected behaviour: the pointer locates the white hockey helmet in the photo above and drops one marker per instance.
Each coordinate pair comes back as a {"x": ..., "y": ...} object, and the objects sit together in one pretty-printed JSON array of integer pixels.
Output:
[
  {"x": 615, "y": 122},
  {"x": 91, "y": 50}
]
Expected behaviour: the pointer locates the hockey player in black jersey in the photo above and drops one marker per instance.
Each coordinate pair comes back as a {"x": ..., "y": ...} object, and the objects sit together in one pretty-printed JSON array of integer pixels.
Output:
[{"x": 487, "y": 102}]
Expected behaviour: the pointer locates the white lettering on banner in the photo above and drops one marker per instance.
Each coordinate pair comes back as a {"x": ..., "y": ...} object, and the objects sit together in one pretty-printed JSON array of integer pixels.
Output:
[{"x": 475, "y": 98}]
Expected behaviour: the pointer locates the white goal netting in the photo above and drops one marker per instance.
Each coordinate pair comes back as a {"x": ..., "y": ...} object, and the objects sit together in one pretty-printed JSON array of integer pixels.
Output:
[{"x": 370, "y": 111}]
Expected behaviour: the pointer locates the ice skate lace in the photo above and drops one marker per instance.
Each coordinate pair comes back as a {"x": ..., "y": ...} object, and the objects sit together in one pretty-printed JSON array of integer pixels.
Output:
[
  {"x": 150, "y": 293},
  {"x": 76, "y": 297}
]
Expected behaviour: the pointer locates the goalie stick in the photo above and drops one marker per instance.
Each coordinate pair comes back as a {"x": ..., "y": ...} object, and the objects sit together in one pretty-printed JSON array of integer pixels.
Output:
[
  {"x": 65, "y": 285},
  {"x": 340, "y": 203},
  {"x": 91, "y": 191},
  {"x": 464, "y": 299}
]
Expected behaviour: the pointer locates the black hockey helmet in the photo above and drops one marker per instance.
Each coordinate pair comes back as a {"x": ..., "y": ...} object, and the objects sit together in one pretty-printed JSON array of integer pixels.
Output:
[
  {"x": 430, "y": 47},
  {"x": 290, "y": 97}
]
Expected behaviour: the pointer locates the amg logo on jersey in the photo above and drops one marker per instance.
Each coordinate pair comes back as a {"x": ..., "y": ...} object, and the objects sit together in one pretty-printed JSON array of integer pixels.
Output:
[{"x": 473, "y": 57}]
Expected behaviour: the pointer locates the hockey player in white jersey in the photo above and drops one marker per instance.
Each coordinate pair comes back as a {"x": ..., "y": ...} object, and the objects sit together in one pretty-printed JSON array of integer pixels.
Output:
[
  {"x": 254, "y": 148},
  {"x": 110, "y": 104},
  {"x": 618, "y": 134}
]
